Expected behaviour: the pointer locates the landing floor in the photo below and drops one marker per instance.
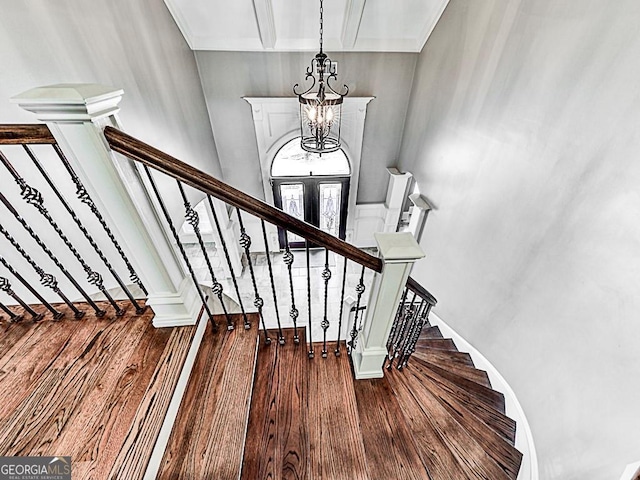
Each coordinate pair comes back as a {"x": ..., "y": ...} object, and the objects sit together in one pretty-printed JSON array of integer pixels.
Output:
[{"x": 93, "y": 389}]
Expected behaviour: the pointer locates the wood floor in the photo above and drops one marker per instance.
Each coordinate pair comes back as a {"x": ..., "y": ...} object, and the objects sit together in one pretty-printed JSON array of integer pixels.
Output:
[{"x": 96, "y": 389}]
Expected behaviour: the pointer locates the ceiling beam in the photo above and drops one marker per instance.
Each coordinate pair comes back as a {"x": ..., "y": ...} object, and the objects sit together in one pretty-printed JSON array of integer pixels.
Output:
[
  {"x": 266, "y": 24},
  {"x": 352, "y": 18}
]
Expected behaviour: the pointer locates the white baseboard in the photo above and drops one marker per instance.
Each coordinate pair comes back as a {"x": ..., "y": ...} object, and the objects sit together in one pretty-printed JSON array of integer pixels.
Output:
[{"x": 524, "y": 437}]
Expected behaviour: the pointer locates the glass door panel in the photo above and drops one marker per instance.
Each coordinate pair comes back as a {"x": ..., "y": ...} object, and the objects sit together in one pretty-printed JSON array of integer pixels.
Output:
[
  {"x": 292, "y": 198},
  {"x": 329, "y": 207}
]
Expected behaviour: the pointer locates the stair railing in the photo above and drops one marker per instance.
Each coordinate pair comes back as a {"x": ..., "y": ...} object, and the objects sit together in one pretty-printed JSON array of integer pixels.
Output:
[
  {"x": 411, "y": 317},
  {"x": 47, "y": 212},
  {"x": 186, "y": 175}
]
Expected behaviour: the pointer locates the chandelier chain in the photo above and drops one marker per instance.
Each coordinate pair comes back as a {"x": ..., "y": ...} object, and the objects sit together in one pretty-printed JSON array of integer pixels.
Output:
[{"x": 321, "y": 28}]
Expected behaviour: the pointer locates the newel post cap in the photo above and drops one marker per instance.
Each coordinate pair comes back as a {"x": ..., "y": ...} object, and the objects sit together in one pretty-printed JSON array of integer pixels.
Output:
[
  {"x": 70, "y": 102},
  {"x": 398, "y": 247}
]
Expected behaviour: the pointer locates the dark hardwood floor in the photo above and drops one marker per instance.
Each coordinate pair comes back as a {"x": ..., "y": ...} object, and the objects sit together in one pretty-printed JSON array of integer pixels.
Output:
[{"x": 96, "y": 389}]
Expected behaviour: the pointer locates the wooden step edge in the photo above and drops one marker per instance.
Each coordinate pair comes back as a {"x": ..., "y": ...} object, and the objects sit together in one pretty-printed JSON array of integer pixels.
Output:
[
  {"x": 430, "y": 332},
  {"x": 501, "y": 449},
  {"x": 389, "y": 446},
  {"x": 437, "y": 458},
  {"x": 490, "y": 396},
  {"x": 458, "y": 358},
  {"x": 471, "y": 373},
  {"x": 502, "y": 424},
  {"x": 437, "y": 344},
  {"x": 473, "y": 454}
]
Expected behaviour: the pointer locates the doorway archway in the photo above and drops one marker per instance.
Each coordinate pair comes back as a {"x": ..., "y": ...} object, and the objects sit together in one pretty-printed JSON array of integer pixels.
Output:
[{"x": 311, "y": 187}]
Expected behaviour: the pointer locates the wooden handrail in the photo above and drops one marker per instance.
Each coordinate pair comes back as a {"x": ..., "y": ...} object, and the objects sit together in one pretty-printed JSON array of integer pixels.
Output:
[
  {"x": 16, "y": 134},
  {"x": 422, "y": 292},
  {"x": 148, "y": 155}
]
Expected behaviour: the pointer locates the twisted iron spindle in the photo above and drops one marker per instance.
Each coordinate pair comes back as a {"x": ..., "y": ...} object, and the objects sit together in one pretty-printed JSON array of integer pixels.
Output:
[
  {"x": 139, "y": 310},
  {"x": 288, "y": 259},
  {"x": 326, "y": 276},
  {"x": 421, "y": 323},
  {"x": 46, "y": 279},
  {"x": 56, "y": 314},
  {"x": 176, "y": 237},
  {"x": 396, "y": 321},
  {"x": 247, "y": 325},
  {"x": 415, "y": 326},
  {"x": 99, "y": 312},
  {"x": 84, "y": 197},
  {"x": 193, "y": 219},
  {"x": 405, "y": 325},
  {"x": 306, "y": 243},
  {"x": 344, "y": 282},
  {"x": 33, "y": 197},
  {"x": 5, "y": 286},
  {"x": 12, "y": 316},
  {"x": 273, "y": 285},
  {"x": 360, "y": 288},
  {"x": 245, "y": 243}
]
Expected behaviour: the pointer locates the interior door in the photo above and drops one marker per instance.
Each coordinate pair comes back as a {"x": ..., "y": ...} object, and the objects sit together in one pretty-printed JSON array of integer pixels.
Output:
[{"x": 319, "y": 201}]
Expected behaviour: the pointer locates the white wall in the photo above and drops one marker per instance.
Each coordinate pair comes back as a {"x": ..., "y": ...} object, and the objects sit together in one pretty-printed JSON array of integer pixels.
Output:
[
  {"x": 523, "y": 129},
  {"x": 134, "y": 45}
]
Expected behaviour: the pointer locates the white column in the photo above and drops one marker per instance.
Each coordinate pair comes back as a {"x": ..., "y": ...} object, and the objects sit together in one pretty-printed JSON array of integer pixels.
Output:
[
  {"x": 419, "y": 214},
  {"x": 396, "y": 194},
  {"x": 399, "y": 251},
  {"x": 76, "y": 115}
]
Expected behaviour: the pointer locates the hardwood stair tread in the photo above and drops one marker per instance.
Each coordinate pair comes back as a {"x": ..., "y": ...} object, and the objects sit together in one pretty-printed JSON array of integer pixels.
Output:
[
  {"x": 464, "y": 386},
  {"x": 277, "y": 436},
  {"x": 490, "y": 434},
  {"x": 457, "y": 358},
  {"x": 430, "y": 332},
  {"x": 436, "y": 344},
  {"x": 471, "y": 373},
  {"x": 389, "y": 447},
  {"x": 438, "y": 459},
  {"x": 209, "y": 432},
  {"x": 467, "y": 447}
]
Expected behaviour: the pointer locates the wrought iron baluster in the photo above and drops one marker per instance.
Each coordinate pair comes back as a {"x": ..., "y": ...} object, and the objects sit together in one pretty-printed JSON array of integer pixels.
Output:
[
  {"x": 33, "y": 197},
  {"x": 311, "y": 353},
  {"x": 46, "y": 279},
  {"x": 56, "y": 314},
  {"x": 12, "y": 316},
  {"x": 421, "y": 322},
  {"x": 245, "y": 243},
  {"x": 415, "y": 326},
  {"x": 176, "y": 237},
  {"x": 5, "y": 286},
  {"x": 407, "y": 320},
  {"x": 247, "y": 325},
  {"x": 139, "y": 310},
  {"x": 288, "y": 259},
  {"x": 84, "y": 197},
  {"x": 397, "y": 320},
  {"x": 192, "y": 218},
  {"x": 326, "y": 276},
  {"x": 344, "y": 282},
  {"x": 360, "y": 288},
  {"x": 273, "y": 285},
  {"x": 99, "y": 312}
]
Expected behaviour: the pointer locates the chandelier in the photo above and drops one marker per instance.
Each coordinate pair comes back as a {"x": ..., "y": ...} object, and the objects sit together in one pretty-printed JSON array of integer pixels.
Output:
[{"x": 320, "y": 109}]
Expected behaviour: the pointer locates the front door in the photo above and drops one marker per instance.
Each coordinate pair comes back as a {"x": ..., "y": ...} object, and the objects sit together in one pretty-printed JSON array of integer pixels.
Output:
[{"x": 320, "y": 201}]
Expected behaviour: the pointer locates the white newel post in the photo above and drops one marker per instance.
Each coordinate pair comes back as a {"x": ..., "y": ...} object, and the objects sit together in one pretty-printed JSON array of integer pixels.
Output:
[
  {"x": 398, "y": 251},
  {"x": 76, "y": 115},
  {"x": 421, "y": 208},
  {"x": 396, "y": 195}
]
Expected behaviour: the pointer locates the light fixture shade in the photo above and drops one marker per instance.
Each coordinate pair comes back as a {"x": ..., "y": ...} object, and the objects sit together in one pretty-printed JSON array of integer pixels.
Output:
[{"x": 320, "y": 104}]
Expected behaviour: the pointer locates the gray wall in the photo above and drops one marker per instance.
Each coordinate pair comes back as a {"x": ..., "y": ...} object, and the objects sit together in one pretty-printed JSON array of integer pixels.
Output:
[
  {"x": 523, "y": 130},
  {"x": 228, "y": 76},
  {"x": 134, "y": 45}
]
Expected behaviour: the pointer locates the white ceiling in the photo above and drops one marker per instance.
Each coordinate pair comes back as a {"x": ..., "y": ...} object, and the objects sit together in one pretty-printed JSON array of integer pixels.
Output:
[{"x": 293, "y": 25}]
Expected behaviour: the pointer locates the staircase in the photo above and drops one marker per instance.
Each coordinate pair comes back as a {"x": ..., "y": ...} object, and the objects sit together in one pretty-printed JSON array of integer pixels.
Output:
[{"x": 436, "y": 419}]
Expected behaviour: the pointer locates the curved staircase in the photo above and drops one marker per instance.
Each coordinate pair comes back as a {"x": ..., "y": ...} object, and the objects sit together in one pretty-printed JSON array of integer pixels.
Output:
[{"x": 437, "y": 418}]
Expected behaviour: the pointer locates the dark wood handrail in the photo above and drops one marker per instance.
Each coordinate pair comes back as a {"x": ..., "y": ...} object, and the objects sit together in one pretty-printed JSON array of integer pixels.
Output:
[
  {"x": 148, "y": 155},
  {"x": 422, "y": 292},
  {"x": 16, "y": 134}
]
